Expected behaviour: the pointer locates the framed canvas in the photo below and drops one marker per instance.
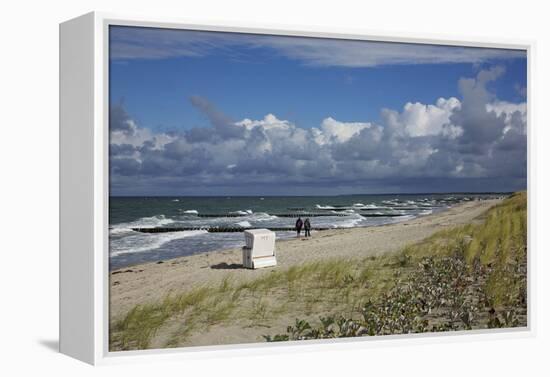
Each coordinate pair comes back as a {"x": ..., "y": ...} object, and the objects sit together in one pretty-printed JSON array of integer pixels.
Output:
[{"x": 240, "y": 190}]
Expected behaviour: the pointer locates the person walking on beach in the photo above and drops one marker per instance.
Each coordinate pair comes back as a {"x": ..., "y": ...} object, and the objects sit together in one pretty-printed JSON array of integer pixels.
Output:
[
  {"x": 307, "y": 228},
  {"x": 299, "y": 224}
]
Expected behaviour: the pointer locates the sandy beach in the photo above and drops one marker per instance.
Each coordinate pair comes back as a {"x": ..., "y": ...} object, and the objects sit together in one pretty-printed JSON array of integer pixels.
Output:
[{"x": 150, "y": 282}]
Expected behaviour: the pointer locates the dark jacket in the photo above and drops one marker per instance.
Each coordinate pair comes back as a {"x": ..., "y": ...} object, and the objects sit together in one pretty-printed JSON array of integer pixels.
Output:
[
  {"x": 307, "y": 225},
  {"x": 299, "y": 224}
]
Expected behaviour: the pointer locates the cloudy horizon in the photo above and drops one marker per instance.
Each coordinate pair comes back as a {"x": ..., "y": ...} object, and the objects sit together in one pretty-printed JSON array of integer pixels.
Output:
[{"x": 202, "y": 113}]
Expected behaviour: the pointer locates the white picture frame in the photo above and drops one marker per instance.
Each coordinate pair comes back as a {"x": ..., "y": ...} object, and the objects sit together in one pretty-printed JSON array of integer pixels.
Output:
[{"x": 84, "y": 194}]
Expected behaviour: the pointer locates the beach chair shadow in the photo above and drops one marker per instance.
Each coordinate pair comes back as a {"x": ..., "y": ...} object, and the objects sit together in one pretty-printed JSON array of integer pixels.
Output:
[{"x": 225, "y": 266}]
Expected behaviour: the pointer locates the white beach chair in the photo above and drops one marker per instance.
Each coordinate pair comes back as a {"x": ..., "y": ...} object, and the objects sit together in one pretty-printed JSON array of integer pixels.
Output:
[{"x": 260, "y": 248}]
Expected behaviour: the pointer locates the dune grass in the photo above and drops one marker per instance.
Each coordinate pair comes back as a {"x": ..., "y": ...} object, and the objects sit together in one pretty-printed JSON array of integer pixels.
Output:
[
  {"x": 302, "y": 289},
  {"x": 467, "y": 277},
  {"x": 333, "y": 297}
]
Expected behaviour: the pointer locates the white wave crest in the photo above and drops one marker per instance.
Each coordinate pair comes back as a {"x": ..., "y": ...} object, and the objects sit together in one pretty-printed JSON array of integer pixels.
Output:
[
  {"x": 351, "y": 223},
  {"x": 144, "y": 222},
  {"x": 114, "y": 231},
  {"x": 244, "y": 213},
  {"x": 124, "y": 229},
  {"x": 142, "y": 242},
  {"x": 262, "y": 216}
]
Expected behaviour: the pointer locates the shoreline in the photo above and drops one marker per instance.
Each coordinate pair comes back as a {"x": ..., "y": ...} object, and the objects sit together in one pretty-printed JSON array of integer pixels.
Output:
[
  {"x": 281, "y": 240},
  {"x": 149, "y": 282}
]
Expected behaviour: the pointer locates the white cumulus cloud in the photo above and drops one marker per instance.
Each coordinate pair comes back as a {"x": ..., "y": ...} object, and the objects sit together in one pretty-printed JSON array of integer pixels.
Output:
[{"x": 476, "y": 136}]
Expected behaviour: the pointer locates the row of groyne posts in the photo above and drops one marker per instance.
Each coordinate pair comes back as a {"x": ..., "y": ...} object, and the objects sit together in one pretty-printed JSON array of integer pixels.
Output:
[{"x": 233, "y": 229}]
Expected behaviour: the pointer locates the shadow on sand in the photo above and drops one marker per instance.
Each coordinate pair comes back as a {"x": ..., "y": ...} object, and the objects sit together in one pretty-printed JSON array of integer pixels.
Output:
[{"x": 225, "y": 266}]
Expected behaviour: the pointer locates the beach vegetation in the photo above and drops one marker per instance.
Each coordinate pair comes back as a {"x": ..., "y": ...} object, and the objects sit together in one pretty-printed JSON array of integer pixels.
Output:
[
  {"x": 465, "y": 277},
  {"x": 473, "y": 276}
]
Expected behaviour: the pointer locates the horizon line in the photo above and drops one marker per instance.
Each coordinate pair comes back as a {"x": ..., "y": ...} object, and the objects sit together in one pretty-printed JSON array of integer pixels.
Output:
[{"x": 305, "y": 196}]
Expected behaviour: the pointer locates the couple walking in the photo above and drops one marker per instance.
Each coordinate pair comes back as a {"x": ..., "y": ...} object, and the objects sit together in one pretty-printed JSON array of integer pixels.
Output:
[{"x": 305, "y": 224}]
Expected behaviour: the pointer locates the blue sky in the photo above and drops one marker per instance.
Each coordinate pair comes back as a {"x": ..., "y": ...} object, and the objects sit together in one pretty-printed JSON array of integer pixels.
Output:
[{"x": 154, "y": 74}]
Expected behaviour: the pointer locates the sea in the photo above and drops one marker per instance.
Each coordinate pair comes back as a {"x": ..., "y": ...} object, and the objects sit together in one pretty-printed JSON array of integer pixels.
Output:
[{"x": 129, "y": 247}]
